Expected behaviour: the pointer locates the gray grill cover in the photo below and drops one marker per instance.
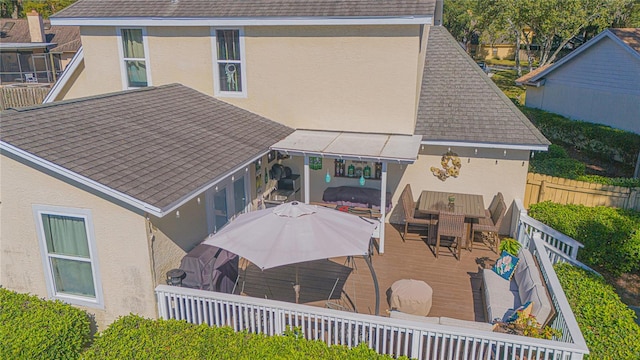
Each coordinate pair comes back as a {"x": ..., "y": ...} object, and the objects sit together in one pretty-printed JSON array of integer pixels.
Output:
[{"x": 210, "y": 268}]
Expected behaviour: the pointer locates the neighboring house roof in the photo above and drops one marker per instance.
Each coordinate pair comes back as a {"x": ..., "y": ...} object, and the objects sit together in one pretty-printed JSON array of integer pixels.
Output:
[
  {"x": 628, "y": 38},
  {"x": 154, "y": 148},
  {"x": 66, "y": 38},
  {"x": 221, "y": 9},
  {"x": 530, "y": 75},
  {"x": 460, "y": 103}
]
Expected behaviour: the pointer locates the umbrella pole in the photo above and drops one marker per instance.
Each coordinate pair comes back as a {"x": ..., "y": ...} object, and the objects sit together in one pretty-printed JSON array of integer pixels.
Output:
[
  {"x": 296, "y": 287},
  {"x": 367, "y": 258}
]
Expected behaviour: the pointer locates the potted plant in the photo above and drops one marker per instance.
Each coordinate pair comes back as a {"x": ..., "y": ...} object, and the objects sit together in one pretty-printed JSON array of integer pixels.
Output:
[{"x": 510, "y": 245}]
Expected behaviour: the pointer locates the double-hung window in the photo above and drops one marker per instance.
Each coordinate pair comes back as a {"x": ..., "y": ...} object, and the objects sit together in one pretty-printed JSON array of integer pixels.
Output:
[
  {"x": 134, "y": 60},
  {"x": 67, "y": 246},
  {"x": 229, "y": 67}
]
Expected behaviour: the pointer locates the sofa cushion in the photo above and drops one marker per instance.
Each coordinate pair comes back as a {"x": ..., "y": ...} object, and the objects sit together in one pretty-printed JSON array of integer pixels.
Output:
[
  {"x": 498, "y": 296},
  {"x": 542, "y": 306},
  {"x": 506, "y": 265}
]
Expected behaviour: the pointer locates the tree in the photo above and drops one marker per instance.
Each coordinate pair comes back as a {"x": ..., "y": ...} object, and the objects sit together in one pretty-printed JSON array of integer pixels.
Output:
[
  {"x": 460, "y": 18},
  {"x": 45, "y": 8},
  {"x": 556, "y": 22}
]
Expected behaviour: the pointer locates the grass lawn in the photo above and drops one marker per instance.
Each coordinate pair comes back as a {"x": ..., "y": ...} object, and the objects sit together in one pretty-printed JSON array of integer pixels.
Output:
[
  {"x": 505, "y": 62},
  {"x": 505, "y": 79}
]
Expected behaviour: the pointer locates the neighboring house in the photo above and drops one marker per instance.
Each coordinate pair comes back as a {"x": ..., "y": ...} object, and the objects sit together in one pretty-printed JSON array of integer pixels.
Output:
[
  {"x": 148, "y": 173},
  {"x": 33, "y": 51},
  {"x": 598, "y": 82}
]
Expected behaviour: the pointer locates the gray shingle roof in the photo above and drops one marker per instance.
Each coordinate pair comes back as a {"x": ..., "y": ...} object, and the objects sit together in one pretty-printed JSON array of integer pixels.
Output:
[
  {"x": 159, "y": 145},
  {"x": 245, "y": 8},
  {"x": 459, "y": 102}
]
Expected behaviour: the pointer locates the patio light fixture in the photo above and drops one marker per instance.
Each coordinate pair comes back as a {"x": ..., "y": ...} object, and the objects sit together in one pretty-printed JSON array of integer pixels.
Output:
[
  {"x": 178, "y": 214},
  {"x": 361, "y": 181}
]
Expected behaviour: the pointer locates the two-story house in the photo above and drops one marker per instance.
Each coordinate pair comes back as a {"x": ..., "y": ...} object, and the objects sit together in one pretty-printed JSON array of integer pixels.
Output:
[{"x": 141, "y": 169}]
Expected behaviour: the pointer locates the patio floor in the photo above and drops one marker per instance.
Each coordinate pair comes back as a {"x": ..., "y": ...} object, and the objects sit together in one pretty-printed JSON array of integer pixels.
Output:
[{"x": 455, "y": 284}]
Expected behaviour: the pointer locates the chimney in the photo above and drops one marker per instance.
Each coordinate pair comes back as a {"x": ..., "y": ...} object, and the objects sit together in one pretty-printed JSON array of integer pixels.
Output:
[
  {"x": 36, "y": 27},
  {"x": 437, "y": 17}
]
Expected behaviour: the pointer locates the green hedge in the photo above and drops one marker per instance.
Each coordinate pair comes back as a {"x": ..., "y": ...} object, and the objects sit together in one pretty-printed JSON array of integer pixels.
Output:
[
  {"x": 597, "y": 179},
  {"x": 607, "y": 324},
  {"x": 611, "y": 237},
  {"x": 556, "y": 162},
  {"x": 133, "y": 337},
  {"x": 32, "y": 328},
  {"x": 597, "y": 140}
]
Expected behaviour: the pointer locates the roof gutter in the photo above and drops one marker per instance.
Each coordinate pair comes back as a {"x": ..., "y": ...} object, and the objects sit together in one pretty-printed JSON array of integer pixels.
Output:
[
  {"x": 485, "y": 145},
  {"x": 343, "y": 156},
  {"x": 80, "y": 179},
  {"x": 537, "y": 84},
  {"x": 241, "y": 21}
]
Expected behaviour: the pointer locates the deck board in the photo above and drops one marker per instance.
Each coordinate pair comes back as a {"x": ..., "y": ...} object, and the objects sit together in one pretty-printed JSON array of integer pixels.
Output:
[{"x": 455, "y": 284}]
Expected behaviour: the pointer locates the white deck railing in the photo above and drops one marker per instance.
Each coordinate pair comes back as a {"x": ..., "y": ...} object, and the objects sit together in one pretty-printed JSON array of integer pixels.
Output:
[
  {"x": 385, "y": 335},
  {"x": 559, "y": 247},
  {"x": 523, "y": 223},
  {"x": 395, "y": 337}
]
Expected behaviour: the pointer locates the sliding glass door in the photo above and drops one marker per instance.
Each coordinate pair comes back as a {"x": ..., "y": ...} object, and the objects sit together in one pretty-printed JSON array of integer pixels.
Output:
[{"x": 226, "y": 200}]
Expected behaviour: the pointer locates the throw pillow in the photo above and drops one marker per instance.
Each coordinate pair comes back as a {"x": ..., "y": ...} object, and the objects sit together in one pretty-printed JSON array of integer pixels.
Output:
[
  {"x": 524, "y": 308},
  {"x": 506, "y": 265}
]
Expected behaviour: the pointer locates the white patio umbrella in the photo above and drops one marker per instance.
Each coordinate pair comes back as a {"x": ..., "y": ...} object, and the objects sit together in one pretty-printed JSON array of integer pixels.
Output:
[{"x": 295, "y": 232}]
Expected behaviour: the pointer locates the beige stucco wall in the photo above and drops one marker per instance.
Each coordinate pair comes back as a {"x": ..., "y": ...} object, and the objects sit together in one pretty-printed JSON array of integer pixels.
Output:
[
  {"x": 121, "y": 241},
  {"x": 486, "y": 174},
  {"x": 174, "y": 236},
  {"x": 102, "y": 72},
  {"x": 355, "y": 78}
]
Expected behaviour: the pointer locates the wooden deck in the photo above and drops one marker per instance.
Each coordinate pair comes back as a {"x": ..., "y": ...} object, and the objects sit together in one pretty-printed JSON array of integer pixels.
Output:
[{"x": 455, "y": 284}]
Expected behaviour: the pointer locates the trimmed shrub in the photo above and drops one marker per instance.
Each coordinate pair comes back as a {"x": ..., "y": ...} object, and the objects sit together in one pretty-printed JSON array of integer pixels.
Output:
[
  {"x": 134, "y": 337},
  {"x": 560, "y": 167},
  {"x": 597, "y": 140},
  {"x": 597, "y": 179},
  {"x": 32, "y": 328},
  {"x": 611, "y": 237},
  {"x": 554, "y": 152},
  {"x": 607, "y": 324}
]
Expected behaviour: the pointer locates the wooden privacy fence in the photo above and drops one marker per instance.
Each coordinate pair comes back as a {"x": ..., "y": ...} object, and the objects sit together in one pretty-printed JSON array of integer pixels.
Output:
[
  {"x": 565, "y": 191},
  {"x": 21, "y": 96}
]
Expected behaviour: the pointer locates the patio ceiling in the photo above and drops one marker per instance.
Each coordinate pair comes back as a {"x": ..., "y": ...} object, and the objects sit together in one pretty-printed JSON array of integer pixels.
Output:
[{"x": 351, "y": 145}]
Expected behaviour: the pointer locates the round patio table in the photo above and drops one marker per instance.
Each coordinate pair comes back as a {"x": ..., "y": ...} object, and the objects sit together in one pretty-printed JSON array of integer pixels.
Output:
[{"x": 411, "y": 297}]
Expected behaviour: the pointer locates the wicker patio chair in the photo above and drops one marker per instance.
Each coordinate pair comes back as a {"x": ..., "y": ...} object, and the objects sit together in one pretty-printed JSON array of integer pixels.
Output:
[
  {"x": 489, "y": 226},
  {"x": 410, "y": 219},
  {"x": 451, "y": 225}
]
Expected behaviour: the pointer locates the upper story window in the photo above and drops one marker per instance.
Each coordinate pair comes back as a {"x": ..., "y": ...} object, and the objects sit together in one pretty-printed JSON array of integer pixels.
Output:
[
  {"x": 134, "y": 58},
  {"x": 229, "y": 68},
  {"x": 68, "y": 251}
]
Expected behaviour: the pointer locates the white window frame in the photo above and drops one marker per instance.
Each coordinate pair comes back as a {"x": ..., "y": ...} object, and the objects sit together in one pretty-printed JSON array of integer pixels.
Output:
[
  {"x": 232, "y": 212},
  {"x": 216, "y": 70},
  {"x": 85, "y": 214},
  {"x": 123, "y": 67}
]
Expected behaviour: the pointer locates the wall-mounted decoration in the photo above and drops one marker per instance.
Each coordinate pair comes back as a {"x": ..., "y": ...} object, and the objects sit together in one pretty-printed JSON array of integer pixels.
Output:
[
  {"x": 315, "y": 163},
  {"x": 451, "y": 165}
]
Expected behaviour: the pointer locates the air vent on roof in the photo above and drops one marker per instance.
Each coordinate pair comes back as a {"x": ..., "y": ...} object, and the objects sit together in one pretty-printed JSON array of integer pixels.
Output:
[
  {"x": 8, "y": 26},
  {"x": 47, "y": 26}
]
